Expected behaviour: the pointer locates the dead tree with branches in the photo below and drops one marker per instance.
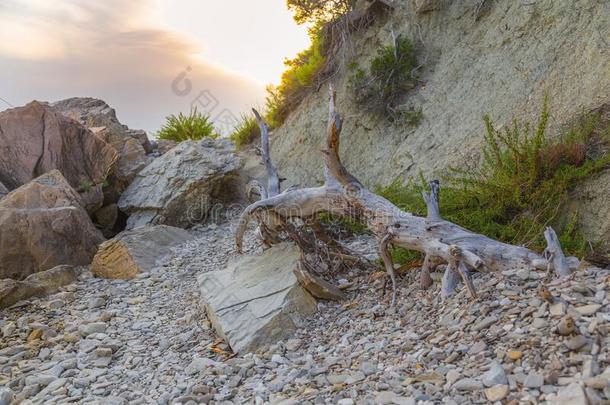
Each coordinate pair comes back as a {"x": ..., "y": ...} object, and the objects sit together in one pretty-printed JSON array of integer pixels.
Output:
[{"x": 343, "y": 195}]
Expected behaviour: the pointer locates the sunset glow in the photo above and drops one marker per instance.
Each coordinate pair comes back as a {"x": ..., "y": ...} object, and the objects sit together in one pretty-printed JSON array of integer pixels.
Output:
[{"x": 130, "y": 53}]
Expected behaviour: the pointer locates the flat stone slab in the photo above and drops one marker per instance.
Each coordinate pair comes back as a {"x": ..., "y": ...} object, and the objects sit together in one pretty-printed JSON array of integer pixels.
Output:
[{"x": 256, "y": 300}]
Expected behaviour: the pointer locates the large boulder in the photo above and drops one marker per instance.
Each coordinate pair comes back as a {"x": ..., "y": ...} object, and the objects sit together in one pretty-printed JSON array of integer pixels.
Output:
[
  {"x": 36, "y": 285},
  {"x": 256, "y": 300},
  {"x": 180, "y": 187},
  {"x": 51, "y": 190},
  {"x": 96, "y": 113},
  {"x": 131, "y": 145},
  {"x": 132, "y": 252},
  {"x": 42, "y": 225},
  {"x": 132, "y": 158},
  {"x": 36, "y": 139}
]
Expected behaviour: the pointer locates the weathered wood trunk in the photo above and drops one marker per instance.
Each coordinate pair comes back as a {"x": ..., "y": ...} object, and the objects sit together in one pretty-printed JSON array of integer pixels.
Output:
[{"x": 440, "y": 240}]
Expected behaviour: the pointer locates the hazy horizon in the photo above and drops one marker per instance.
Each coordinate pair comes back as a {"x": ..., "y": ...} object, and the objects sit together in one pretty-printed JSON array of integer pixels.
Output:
[{"x": 146, "y": 58}]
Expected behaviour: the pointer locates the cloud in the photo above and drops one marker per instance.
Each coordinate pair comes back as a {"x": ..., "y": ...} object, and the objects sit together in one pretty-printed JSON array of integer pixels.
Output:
[{"x": 114, "y": 50}]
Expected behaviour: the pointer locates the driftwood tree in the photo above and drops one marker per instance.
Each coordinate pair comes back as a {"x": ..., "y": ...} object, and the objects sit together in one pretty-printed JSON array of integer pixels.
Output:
[{"x": 343, "y": 195}]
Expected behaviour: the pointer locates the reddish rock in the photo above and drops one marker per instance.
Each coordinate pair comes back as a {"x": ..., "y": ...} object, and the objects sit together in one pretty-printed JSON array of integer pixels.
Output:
[
  {"x": 36, "y": 139},
  {"x": 42, "y": 225}
]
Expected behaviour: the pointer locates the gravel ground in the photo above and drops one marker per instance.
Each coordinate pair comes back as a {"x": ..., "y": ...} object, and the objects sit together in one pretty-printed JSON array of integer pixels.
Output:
[{"x": 149, "y": 341}]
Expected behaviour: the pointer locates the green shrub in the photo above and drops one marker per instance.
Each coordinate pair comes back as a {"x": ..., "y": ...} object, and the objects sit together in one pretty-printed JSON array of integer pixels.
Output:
[
  {"x": 389, "y": 77},
  {"x": 519, "y": 188},
  {"x": 246, "y": 132},
  {"x": 181, "y": 127},
  {"x": 297, "y": 80}
]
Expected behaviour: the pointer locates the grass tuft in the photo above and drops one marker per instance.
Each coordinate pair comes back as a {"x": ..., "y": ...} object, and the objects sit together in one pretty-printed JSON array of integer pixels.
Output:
[
  {"x": 193, "y": 126},
  {"x": 246, "y": 132}
]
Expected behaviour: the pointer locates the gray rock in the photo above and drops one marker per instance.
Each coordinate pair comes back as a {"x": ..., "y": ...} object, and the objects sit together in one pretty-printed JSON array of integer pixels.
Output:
[
  {"x": 598, "y": 383},
  {"x": 68, "y": 364},
  {"x": 576, "y": 342},
  {"x": 29, "y": 391},
  {"x": 256, "y": 300},
  {"x": 590, "y": 368},
  {"x": 485, "y": 323},
  {"x": 452, "y": 376},
  {"x": 293, "y": 344},
  {"x": 96, "y": 302},
  {"x": 495, "y": 375},
  {"x": 399, "y": 400},
  {"x": 180, "y": 187},
  {"x": 523, "y": 274},
  {"x": 588, "y": 310},
  {"x": 8, "y": 329},
  {"x": 7, "y": 396},
  {"x": 468, "y": 384},
  {"x": 573, "y": 394},
  {"x": 337, "y": 378},
  {"x": 534, "y": 380},
  {"x": 368, "y": 368},
  {"x": 355, "y": 377},
  {"x": 558, "y": 309},
  {"x": 385, "y": 397},
  {"x": 199, "y": 364},
  {"x": 478, "y": 347},
  {"x": 88, "y": 345},
  {"x": 497, "y": 392},
  {"x": 91, "y": 328},
  {"x": 40, "y": 379},
  {"x": 55, "y": 304},
  {"x": 539, "y": 323},
  {"x": 276, "y": 358}
]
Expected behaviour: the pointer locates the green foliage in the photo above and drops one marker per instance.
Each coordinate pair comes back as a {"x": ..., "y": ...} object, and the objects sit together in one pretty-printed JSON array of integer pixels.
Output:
[
  {"x": 524, "y": 179},
  {"x": 181, "y": 127},
  {"x": 389, "y": 77},
  {"x": 299, "y": 77},
  {"x": 246, "y": 132},
  {"x": 318, "y": 12}
]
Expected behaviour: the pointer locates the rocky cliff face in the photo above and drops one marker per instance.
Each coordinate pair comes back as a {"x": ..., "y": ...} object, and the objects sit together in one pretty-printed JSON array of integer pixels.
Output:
[{"x": 494, "y": 57}]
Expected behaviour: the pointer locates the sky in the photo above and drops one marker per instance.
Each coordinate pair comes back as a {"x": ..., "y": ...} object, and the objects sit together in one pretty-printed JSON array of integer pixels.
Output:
[{"x": 146, "y": 58}]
